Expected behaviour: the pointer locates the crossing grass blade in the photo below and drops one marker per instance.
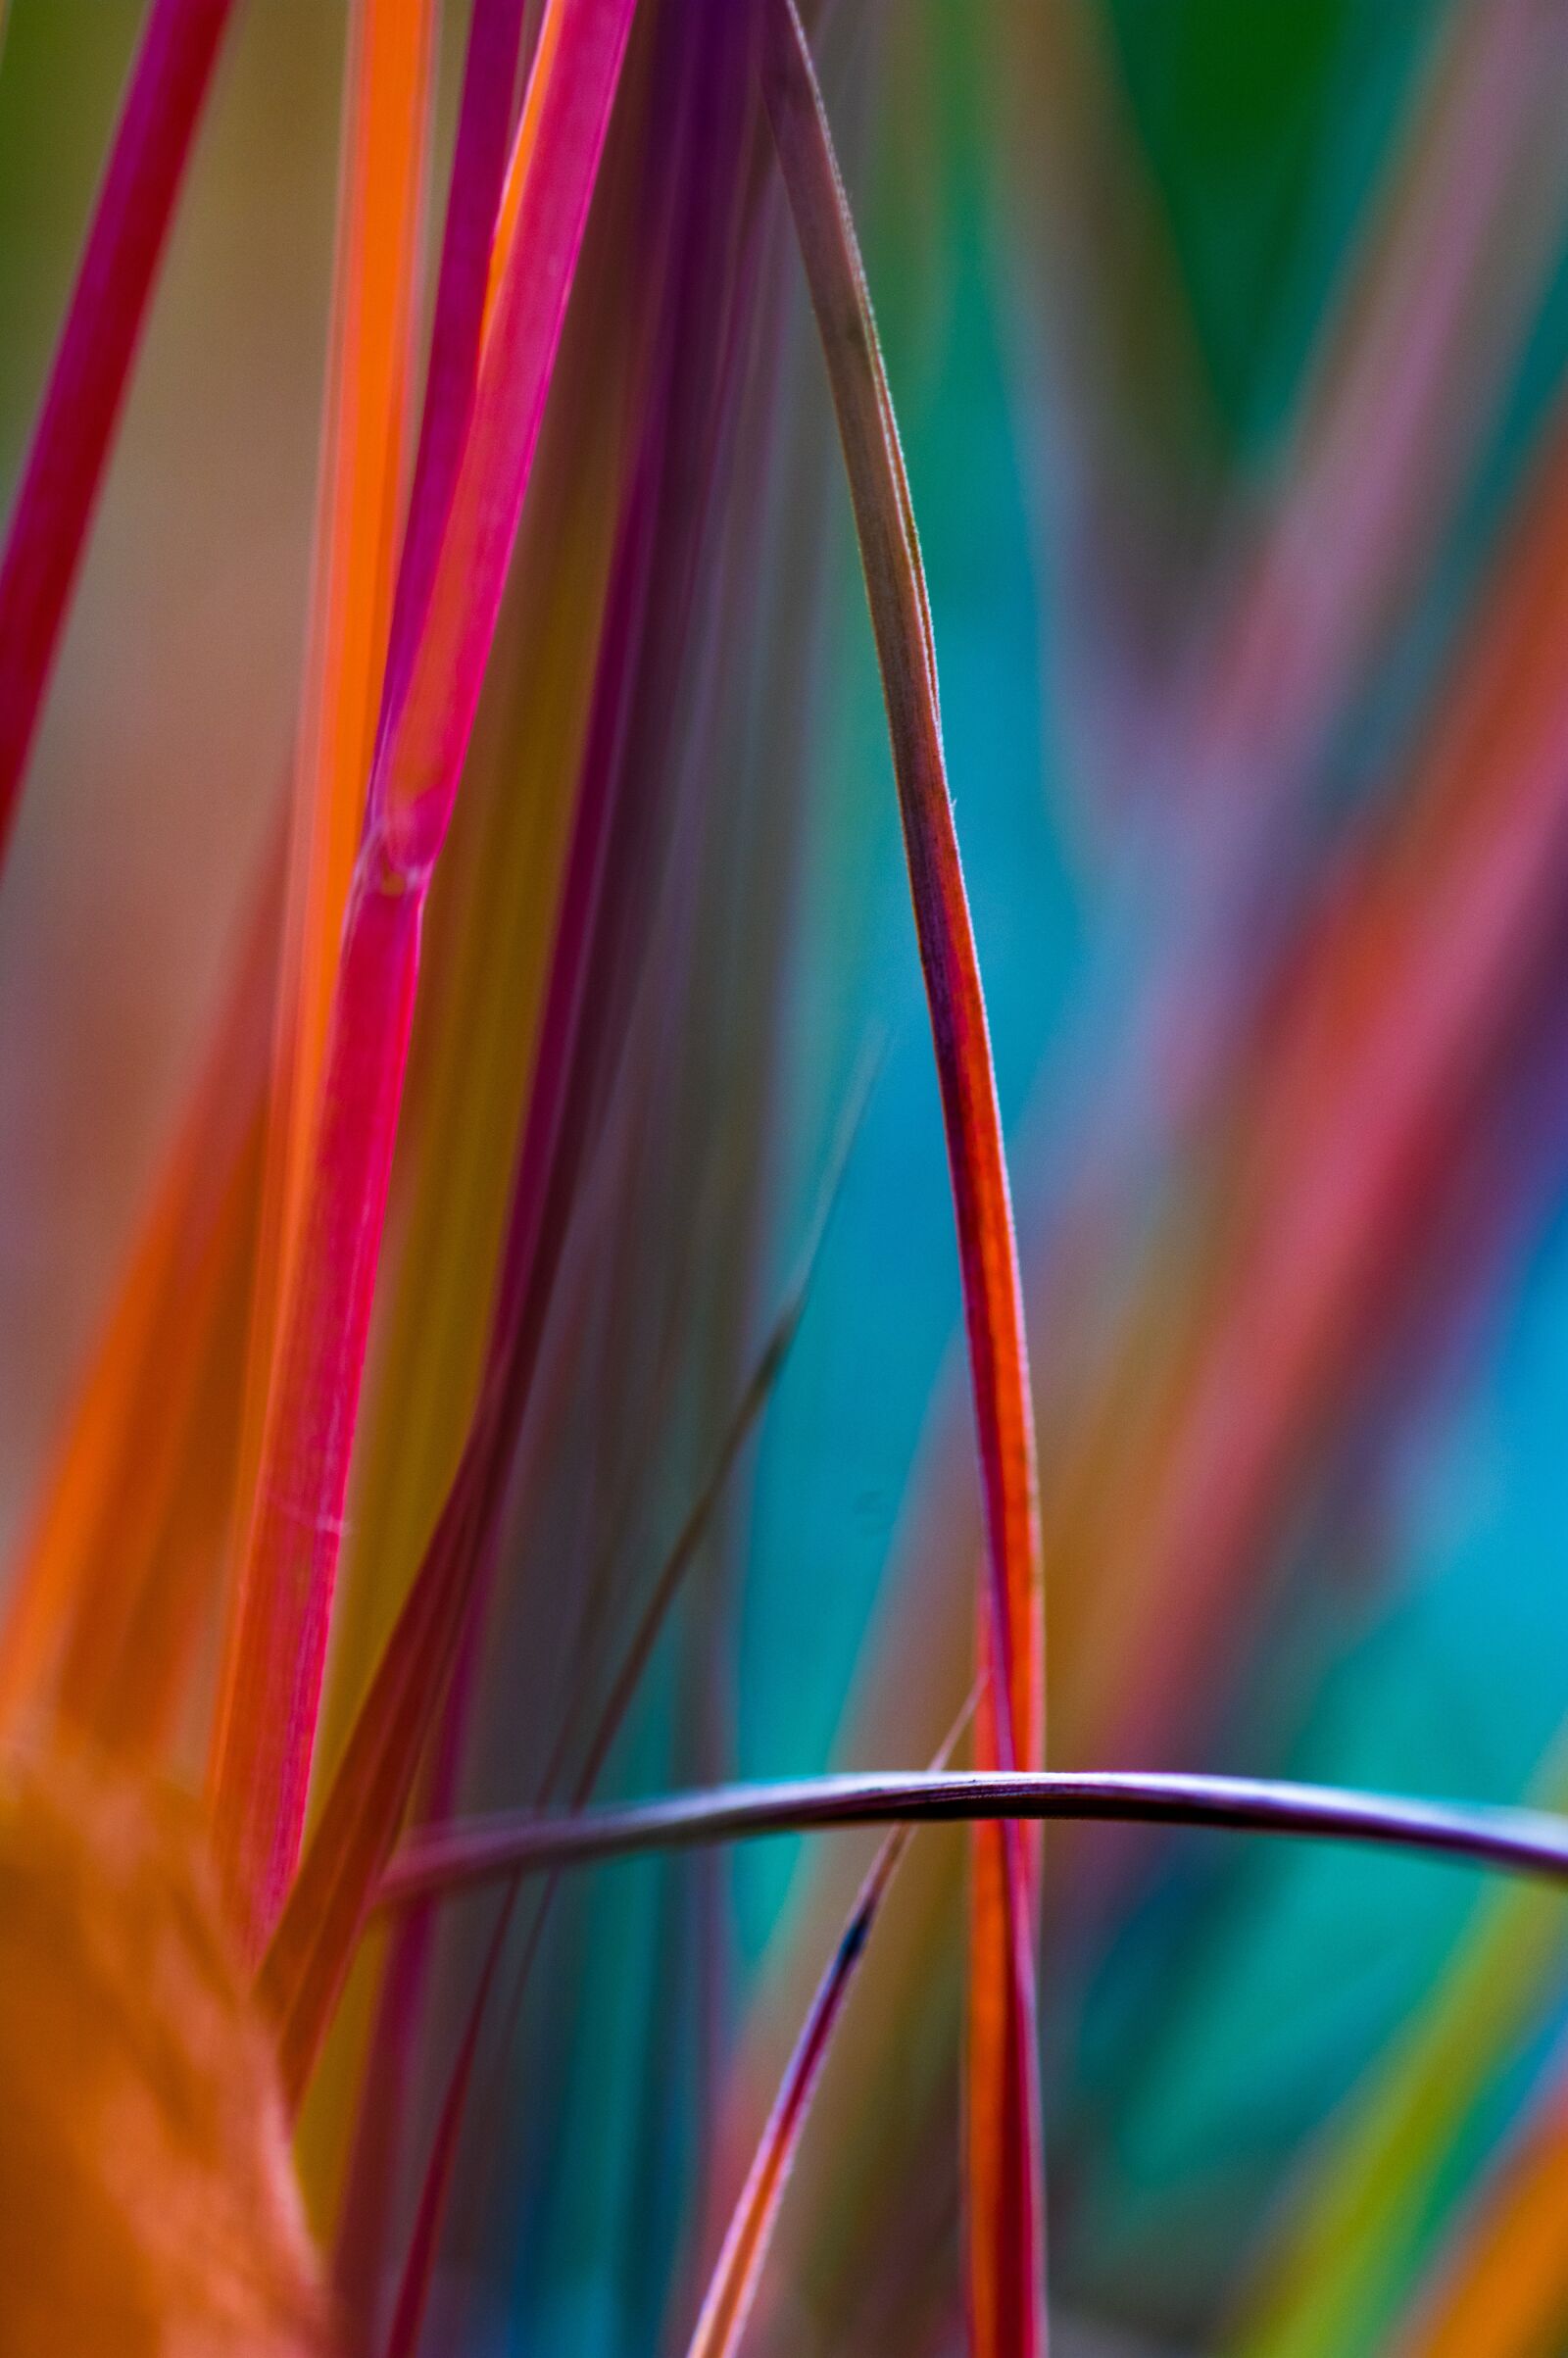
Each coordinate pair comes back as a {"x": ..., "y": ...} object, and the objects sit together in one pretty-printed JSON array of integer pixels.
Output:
[
  {"x": 267, "y": 1731},
  {"x": 1004, "y": 2171}
]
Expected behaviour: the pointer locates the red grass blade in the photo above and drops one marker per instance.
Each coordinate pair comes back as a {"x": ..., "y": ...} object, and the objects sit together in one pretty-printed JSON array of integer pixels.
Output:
[
  {"x": 1004, "y": 2160},
  {"x": 447, "y": 1859},
  {"x": 168, "y": 85},
  {"x": 263, "y": 1755}
]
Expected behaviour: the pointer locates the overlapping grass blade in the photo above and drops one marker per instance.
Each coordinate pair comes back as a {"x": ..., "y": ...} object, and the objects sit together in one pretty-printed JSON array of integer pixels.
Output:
[
  {"x": 589, "y": 1036},
  {"x": 1004, "y": 2184},
  {"x": 267, "y": 1733},
  {"x": 386, "y": 110},
  {"x": 733, "y": 2288},
  {"x": 442, "y": 1860}
]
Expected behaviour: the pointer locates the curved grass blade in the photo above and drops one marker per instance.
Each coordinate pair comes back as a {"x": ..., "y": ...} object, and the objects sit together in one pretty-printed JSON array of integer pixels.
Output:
[
  {"x": 266, "y": 1734},
  {"x": 168, "y": 86},
  {"x": 1004, "y": 2165},
  {"x": 733, "y": 2288},
  {"x": 1363, "y": 2210},
  {"x": 443, "y": 1860}
]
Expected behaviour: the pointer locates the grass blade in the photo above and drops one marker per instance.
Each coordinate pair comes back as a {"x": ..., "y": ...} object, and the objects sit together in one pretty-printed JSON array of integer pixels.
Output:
[
  {"x": 588, "y": 1030},
  {"x": 1004, "y": 2176},
  {"x": 479, "y": 166},
  {"x": 264, "y": 1744},
  {"x": 385, "y": 120},
  {"x": 168, "y": 86},
  {"x": 733, "y": 2288},
  {"x": 443, "y": 1860},
  {"x": 127, "y": 1463},
  {"x": 418, "y": 2262},
  {"x": 310, "y": 1952}
]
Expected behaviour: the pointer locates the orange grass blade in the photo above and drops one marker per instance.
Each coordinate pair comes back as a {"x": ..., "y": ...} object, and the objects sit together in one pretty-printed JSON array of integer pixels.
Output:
[
  {"x": 492, "y": 927},
  {"x": 733, "y": 2288},
  {"x": 1005, "y": 2170},
  {"x": 387, "y": 107},
  {"x": 385, "y": 118},
  {"x": 268, "y": 1727},
  {"x": 168, "y": 86},
  {"x": 114, "y": 1502}
]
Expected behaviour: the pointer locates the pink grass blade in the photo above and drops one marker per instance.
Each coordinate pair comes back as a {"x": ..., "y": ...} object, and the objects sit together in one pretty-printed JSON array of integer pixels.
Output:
[
  {"x": 576, "y": 71},
  {"x": 1005, "y": 2174},
  {"x": 585, "y": 1036},
  {"x": 385, "y": 121},
  {"x": 478, "y": 168},
  {"x": 109, "y": 302},
  {"x": 442, "y": 1861},
  {"x": 265, "y": 1745}
]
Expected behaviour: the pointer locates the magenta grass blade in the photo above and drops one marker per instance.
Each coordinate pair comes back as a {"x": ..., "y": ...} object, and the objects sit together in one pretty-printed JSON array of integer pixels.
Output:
[
  {"x": 168, "y": 84},
  {"x": 585, "y": 1031},
  {"x": 268, "y": 1726},
  {"x": 479, "y": 166},
  {"x": 1004, "y": 2178},
  {"x": 443, "y": 1860}
]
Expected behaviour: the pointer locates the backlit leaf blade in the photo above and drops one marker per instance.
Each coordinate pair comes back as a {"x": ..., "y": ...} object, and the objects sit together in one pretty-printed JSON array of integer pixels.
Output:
[
  {"x": 267, "y": 1731},
  {"x": 1004, "y": 2181}
]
